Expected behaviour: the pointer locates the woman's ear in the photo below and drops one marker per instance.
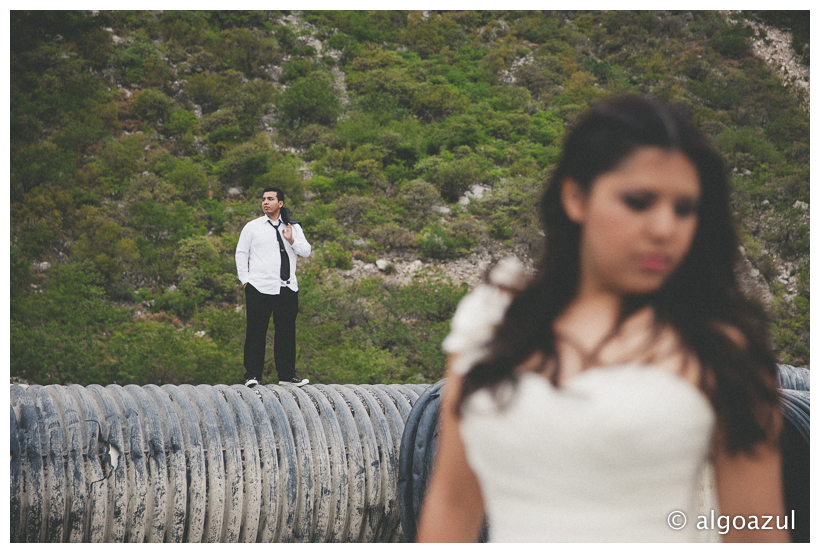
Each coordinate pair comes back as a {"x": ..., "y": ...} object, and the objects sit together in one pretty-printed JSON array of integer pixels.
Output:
[{"x": 573, "y": 200}]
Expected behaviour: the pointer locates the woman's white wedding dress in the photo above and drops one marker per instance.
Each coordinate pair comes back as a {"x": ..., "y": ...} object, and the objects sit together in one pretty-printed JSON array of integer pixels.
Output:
[{"x": 607, "y": 456}]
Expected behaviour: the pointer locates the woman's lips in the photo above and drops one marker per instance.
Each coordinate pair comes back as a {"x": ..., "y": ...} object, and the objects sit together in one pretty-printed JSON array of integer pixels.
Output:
[{"x": 654, "y": 263}]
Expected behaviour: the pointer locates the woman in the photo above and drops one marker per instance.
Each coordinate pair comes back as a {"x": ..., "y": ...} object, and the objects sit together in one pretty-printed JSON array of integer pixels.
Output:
[{"x": 583, "y": 403}]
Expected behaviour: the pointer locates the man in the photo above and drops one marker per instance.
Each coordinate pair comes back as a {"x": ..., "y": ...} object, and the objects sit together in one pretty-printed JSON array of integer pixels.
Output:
[{"x": 266, "y": 265}]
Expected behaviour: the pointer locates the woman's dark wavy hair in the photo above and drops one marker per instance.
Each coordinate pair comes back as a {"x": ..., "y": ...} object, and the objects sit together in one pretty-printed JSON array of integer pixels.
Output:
[{"x": 700, "y": 300}]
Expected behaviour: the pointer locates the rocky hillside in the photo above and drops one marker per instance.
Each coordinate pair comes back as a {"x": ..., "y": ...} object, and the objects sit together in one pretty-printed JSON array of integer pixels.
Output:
[{"x": 412, "y": 145}]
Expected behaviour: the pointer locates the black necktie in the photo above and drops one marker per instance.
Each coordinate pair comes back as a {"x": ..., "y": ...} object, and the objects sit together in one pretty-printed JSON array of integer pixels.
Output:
[{"x": 284, "y": 265}]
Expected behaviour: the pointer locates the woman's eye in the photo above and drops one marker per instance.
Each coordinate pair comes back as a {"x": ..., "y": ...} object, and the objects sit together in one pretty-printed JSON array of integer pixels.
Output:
[
  {"x": 684, "y": 209},
  {"x": 638, "y": 203}
]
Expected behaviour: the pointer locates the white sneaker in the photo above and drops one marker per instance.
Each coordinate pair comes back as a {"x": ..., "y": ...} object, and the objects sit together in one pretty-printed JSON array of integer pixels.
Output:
[{"x": 251, "y": 382}]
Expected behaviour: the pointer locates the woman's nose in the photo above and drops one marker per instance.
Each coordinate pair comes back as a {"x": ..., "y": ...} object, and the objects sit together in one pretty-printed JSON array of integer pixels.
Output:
[{"x": 662, "y": 221}]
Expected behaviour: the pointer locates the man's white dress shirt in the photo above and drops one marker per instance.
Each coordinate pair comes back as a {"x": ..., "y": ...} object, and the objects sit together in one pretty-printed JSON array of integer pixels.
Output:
[{"x": 257, "y": 254}]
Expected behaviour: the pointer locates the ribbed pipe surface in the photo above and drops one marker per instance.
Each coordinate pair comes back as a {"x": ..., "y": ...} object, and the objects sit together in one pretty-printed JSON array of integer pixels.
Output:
[
  {"x": 420, "y": 441},
  {"x": 794, "y": 378},
  {"x": 207, "y": 463}
]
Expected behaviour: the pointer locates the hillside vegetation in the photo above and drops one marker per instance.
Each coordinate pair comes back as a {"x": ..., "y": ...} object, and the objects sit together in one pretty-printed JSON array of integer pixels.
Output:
[{"x": 140, "y": 143}]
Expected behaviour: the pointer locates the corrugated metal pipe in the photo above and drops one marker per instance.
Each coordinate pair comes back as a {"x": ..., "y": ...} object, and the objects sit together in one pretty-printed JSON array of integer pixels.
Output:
[
  {"x": 207, "y": 463},
  {"x": 420, "y": 441}
]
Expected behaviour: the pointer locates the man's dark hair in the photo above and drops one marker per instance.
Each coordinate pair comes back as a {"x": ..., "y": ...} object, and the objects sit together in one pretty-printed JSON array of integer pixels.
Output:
[{"x": 280, "y": 195}]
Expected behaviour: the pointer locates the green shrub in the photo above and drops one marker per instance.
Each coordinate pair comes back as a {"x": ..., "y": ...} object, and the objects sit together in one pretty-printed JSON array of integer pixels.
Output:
[
  {"x": 158, "y": 353},
  {"x": 308, "y": 100},
  {"x": 285, "y": 36},
  {"x": 352, "y": 209},
  {"x": 245, "y": 50},
  {"x": 225, "y": 327},
  {"x": 190, "y": 179},
  {"x": 546, "y": 128},
  {"x": 295, "y": 69},
  {"x": 250, "y": 101},
  {"x": 429, "y": 297},
  {"x": 141, "y": 63},
  {"x": 182, "y": 122},
  {"x": 511, "y": 99},
  {"x": 391, "y": 236},
  {"x": 149, "y": 187},
  {"x": 35, "y": 164},
  {"x": 82, "y": 132},
  {"x": 803, "y": 281},
  {"x": 536, "y": 29},
  {"x": 243, "y": 165},
  {"x": 789, "y": 125},
  {"x": 161, "y": 223},
  {"x": 59, "y": 335},
  {"x": 366, "y": 315},
  {"x": 327, "y": 230},
  {"x": 434, "y": 102},
  {"x": 541, "y": 77},
  {"x": 732, "y": 40},
  {"x": 355, "y": 365},
  {"x": 455, "y": 177},
  {"x": 394, "y": 86},
  {"x": 335, "y": 256},
  {"x": 767, "y": 268},
  {"x": 437, "y": 243},
  {"x": 312, "y": 137},
  {"x": 468, "y": 231},
  {"x": 119, "y": 160},
  {"x": 96, "y": 46},
  {"x": 175, "y": 303},
  {"x": 750, "y": 142},
  {"x": 501, "y": 228},
  {"x": 187, "y": 27},
  {"x": 38, "y": 220},
  {"x": 153, "y": 106},
  {"x": 205, "y": 269},
  {"x": 790, "y": 347},
  {"x": 104, "y": 242},
  {"x": 462, "y": 129},
  {"x": 210, "y": 89},
  {"x": 349, "y": 182},
  {"x": 219, "y": 119},
  {"x": 418, "y": 198},
  {"x": 796, "y": 242},
  {"x": 601, "y": 69}
]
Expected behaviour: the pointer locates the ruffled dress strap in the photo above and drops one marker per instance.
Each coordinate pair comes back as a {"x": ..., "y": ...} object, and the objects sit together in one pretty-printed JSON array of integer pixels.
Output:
[{"x": 479, "y": 313}]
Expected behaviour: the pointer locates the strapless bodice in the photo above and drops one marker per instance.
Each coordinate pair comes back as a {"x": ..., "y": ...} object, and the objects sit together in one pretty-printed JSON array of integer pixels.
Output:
[{"x": 606, "y": 456}]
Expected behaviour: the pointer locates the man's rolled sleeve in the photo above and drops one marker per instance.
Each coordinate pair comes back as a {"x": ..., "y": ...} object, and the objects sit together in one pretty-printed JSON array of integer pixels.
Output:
[{"x": 301, "y": 247}]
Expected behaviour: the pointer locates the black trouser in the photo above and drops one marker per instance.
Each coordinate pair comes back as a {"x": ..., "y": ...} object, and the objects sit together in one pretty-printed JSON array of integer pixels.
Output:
[{"x": 259, "y": 307}]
